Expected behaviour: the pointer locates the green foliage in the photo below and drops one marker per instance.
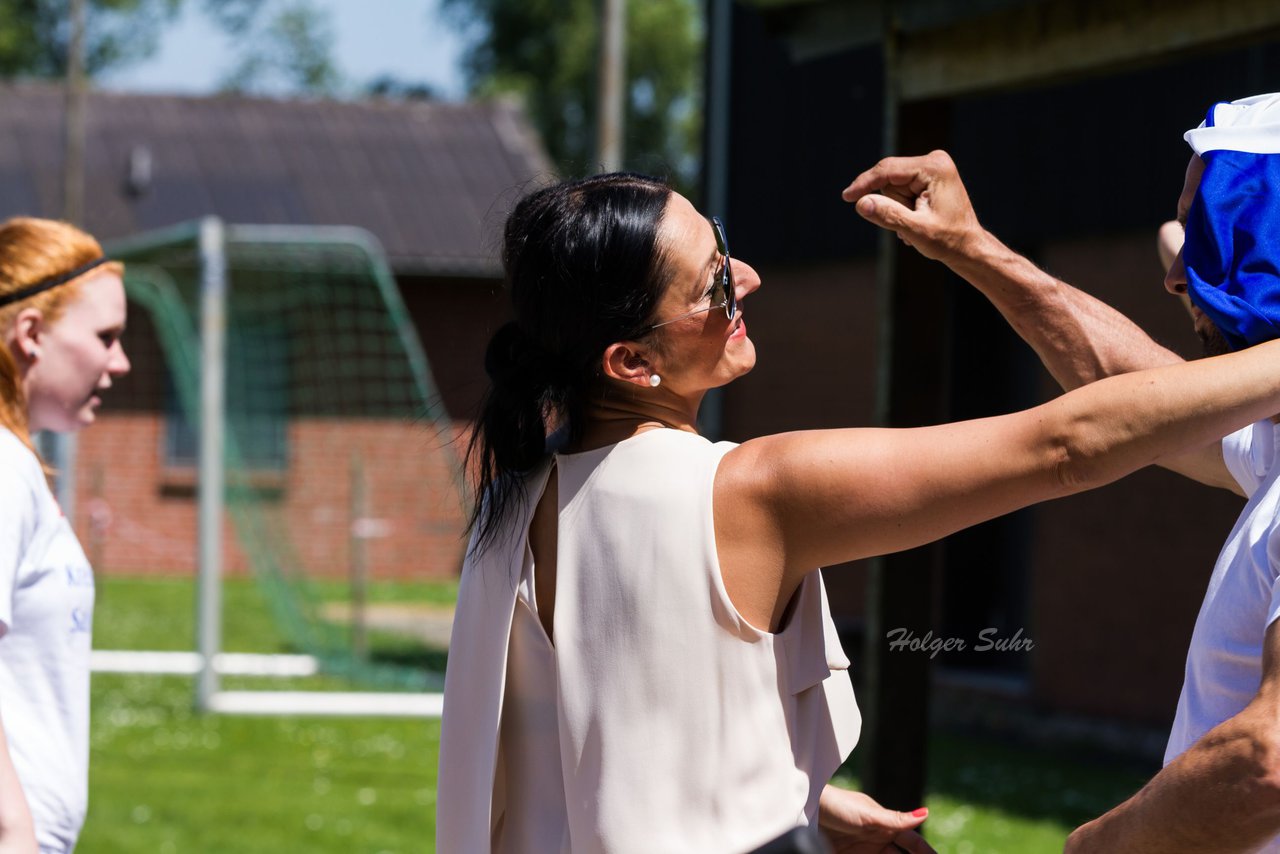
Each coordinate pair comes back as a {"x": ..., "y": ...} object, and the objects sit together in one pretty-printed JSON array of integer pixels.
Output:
[
  {"x": 35, "y": 34},
  {"x": 389, "y": 87},
  {"x": 546, "y": 53},
  {"x": 392, "y": 88},
  {"x": 285, "y": 46}
]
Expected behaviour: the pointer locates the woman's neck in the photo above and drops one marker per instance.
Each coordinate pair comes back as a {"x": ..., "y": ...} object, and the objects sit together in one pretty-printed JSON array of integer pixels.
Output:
[{"x": 614, "y": 414}]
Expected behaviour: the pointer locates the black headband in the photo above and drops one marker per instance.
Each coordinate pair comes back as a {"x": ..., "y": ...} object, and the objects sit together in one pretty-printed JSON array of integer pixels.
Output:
[{"x": 51, "y": 282}]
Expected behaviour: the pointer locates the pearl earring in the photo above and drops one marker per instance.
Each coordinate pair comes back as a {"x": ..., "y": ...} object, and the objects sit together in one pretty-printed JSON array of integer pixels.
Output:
[{"x": 654, "y": 380}]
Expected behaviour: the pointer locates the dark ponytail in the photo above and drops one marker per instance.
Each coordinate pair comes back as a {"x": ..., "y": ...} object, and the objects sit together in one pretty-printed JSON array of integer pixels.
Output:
[{"x": 584, "y": 269}]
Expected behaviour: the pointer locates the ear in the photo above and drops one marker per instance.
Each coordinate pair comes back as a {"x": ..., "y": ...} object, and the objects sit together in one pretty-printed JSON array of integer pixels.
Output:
[
  {"x": 629, "y": 362},
  {"x": 28, "y": 327}
]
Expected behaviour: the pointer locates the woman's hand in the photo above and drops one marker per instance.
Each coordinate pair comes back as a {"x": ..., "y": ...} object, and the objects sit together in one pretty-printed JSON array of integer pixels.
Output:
[{"x": 855, "y": 824}]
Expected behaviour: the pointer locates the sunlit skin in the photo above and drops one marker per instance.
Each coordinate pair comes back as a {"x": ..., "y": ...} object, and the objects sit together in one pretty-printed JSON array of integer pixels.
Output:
[
  {"x": 65, "y": 365},
  {"x": 705, "y": 350},
  {"x": 691, "y": 356}
]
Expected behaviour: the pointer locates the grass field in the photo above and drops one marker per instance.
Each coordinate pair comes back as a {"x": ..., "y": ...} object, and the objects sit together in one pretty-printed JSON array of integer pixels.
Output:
[
  {"x": 159, "y": 613},
  {"x": 166, "y": 780}
]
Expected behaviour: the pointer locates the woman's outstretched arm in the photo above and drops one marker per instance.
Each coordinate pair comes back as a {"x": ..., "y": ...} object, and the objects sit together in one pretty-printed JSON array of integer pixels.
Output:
[{"x": 816, "y": 498}]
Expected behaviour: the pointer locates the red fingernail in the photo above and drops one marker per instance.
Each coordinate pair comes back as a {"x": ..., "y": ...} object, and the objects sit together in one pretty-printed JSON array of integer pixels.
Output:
[{"x": 920, "y": 813}]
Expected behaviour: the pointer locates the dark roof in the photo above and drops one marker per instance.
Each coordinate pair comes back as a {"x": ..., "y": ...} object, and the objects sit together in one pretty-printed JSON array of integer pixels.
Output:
[{"x": 430, "y": 180}]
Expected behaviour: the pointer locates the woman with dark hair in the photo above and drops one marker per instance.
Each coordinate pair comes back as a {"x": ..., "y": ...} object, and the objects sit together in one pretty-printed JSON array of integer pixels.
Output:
[{"x": 643, "y": 657}]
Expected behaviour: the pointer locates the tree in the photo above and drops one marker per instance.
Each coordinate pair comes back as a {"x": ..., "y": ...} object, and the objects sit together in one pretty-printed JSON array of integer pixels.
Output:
[
  {"x": 546, "y": 52},
  {"x": 34, "y": 34},
  {"x": 284, "y": 45},
  {"x": 389, "y": 87}
]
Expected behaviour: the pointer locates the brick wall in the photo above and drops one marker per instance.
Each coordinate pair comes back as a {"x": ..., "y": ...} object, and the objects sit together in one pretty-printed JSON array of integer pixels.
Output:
[
  {"x": 128, "y": 521},
  {"x": 135, "y": 516}
]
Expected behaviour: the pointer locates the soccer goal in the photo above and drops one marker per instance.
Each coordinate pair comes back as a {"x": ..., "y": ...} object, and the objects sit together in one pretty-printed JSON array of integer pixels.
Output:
[{"x": 298, "y": 399}]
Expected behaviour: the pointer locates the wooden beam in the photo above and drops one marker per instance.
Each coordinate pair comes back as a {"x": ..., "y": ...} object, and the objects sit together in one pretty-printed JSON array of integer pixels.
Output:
[
  {"x": 902, "y": 587},
  {"x": 1063, "y": 38},
  {"x": 913, "y": 348}
]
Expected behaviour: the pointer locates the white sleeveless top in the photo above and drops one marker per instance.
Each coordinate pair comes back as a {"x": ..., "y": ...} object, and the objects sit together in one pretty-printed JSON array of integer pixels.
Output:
[
  {"x": 681, "y": 727},
  {"x": 529, "y": 738}
]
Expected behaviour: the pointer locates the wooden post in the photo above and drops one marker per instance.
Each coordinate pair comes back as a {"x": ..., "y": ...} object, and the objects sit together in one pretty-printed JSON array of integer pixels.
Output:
[
  {"x": 74, "y": 128},
  {"x": 913, "y": 340},
  {"x": 99, "y": 519},
  {"x": 359, "y": 565},
  {"x": 64, "y": 446},
  {"x": 611, "y": 98}
]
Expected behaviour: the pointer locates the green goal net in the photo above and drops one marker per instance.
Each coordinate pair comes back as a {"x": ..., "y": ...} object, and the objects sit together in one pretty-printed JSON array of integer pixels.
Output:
[{"x": 341, "y": 467}]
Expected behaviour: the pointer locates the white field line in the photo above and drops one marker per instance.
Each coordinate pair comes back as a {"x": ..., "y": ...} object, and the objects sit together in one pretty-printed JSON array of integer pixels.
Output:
[
  {"x": 327, "y": 703},
  {"x": 269, "y": 702},
  {"x": 189, "y": 663}
]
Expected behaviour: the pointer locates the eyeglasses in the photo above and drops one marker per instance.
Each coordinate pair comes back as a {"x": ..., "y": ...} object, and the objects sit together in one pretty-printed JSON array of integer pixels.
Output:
[{"x": 729, "y": 297}]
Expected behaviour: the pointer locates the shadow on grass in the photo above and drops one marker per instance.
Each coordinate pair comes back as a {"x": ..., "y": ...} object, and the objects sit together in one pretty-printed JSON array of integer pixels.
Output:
[
  {"x": 394, "y": 661},
  {"x": 1063, "y": 786},
  {"x": 410, "y": 656}
]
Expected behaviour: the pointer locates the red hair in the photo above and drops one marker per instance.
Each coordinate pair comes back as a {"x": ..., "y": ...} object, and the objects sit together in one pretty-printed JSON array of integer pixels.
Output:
[{"x": 33, "y": 250}]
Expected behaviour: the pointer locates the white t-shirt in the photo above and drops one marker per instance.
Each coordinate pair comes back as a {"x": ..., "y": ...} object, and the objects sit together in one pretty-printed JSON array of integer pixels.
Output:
[
  {"x": 46, "y": 615},
  {"x": 1224, "y": 661}
]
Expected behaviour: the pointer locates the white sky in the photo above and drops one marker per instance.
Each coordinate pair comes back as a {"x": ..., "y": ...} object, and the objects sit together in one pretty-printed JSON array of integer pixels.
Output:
[{"x": 403, "y": 38}]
